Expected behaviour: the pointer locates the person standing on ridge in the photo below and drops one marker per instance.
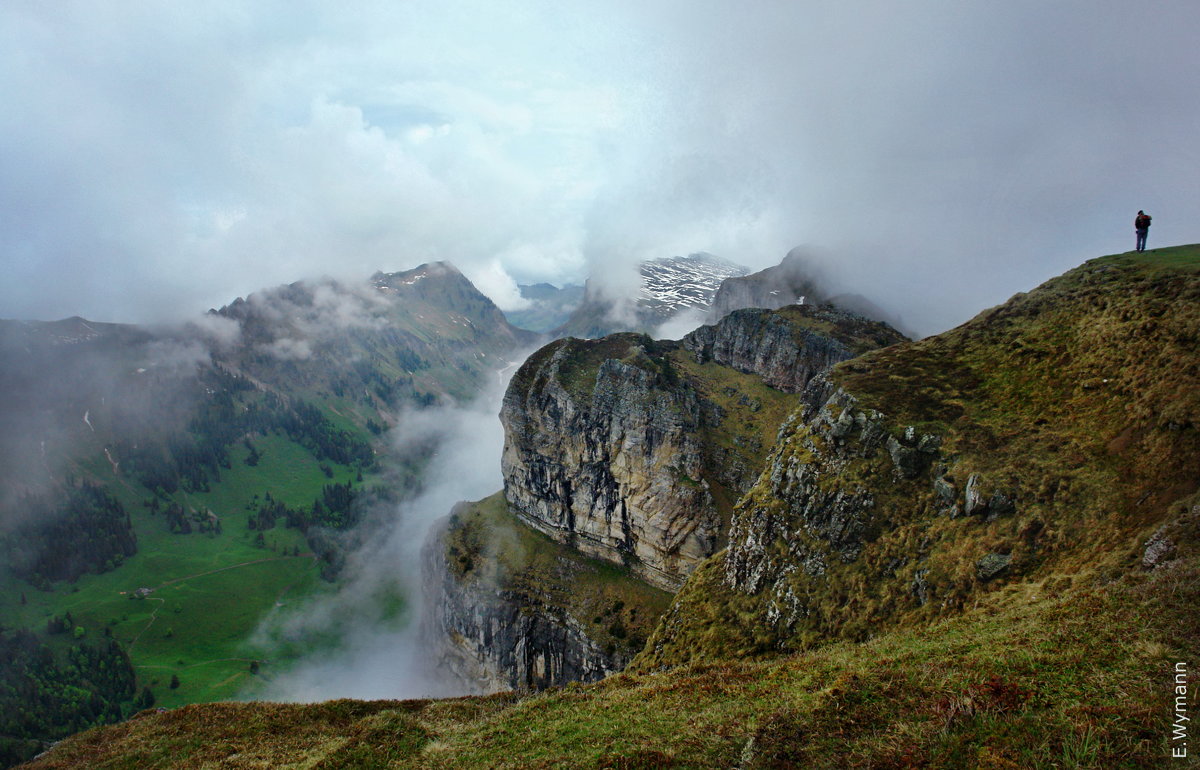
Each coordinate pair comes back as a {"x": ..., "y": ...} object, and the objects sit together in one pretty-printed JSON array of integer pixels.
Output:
[{"x": 1141, "y": 224}]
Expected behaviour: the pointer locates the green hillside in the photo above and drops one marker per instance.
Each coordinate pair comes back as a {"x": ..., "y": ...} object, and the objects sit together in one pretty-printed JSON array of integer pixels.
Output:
[
  {"x": 1029, "y": 679},
  {"x": 168, "y": 488}
]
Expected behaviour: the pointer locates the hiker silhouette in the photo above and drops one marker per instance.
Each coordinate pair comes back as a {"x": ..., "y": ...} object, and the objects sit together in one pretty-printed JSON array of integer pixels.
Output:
[{"x": 1141, "y": 225}]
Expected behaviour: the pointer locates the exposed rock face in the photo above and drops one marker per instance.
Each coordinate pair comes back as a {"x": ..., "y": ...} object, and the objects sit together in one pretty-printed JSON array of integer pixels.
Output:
[
  {"x": 507, "y": 609},
  {"x": 610, "y": 449},
  {"x": 832, "y": 522},
  {"x": 924, "y": 475},
  {"x": 493, "y": 638},
  {"x": 785, "y": 353},
  {"x": 602, "y": 452}
]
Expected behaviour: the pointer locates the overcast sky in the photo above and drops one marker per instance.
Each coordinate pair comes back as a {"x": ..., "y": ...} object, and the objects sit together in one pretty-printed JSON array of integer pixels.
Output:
[{"x": 159, "y": 158}]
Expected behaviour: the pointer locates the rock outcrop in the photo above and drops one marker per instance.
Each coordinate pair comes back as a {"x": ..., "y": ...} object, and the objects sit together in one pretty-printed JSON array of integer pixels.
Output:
[
  {"x": 788, "y": 347},
  {"x": 615, "y": 446},
  {"x": 603, "y": 452},
  {"x": 506, "y": 609},
  {"x": 918, "y": 477}
]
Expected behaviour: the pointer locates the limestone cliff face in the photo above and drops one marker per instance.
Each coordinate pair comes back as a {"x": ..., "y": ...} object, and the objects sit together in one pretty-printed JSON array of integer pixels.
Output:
[
  {"x": 603, "y": 453},
  {"x": 813, "y": 510},
  {"x": 507, "y": 609},
  {"x": 492, "y": 637},
  {"x": 491, "y": 641},
  {"x": 788, "y": 347},
  {"x": 621, "y": 447},
  {"x": 628, "y": 451}
]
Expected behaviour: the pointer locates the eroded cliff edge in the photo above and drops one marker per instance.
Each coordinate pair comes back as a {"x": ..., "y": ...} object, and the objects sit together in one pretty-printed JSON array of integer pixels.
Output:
[
  {"x": 633, "y": 450},
  {"x": 508, "y": 608},
  {"x": 623, "y": 459}
]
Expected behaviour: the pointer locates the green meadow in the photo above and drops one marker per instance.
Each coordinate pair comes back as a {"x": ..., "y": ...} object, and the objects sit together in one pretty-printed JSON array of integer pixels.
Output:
[{"x": 187, "y": 606}]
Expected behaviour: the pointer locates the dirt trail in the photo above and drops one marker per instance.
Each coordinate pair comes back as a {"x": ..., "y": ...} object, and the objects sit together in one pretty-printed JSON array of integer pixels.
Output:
[
  {"x": 153, "y": 617},
  {"x": 235, "y": 566}
]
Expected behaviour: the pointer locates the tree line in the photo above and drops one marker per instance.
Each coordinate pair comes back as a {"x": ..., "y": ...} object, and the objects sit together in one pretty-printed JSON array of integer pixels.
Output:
[
  {"x": 87, "y": 530},
  {"x": 192, "y": 460},
  {"x": 46, "y": 697}
]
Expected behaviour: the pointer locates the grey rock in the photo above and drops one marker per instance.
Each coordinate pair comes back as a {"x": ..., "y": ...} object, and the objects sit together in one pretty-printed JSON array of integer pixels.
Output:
[
  {"x": 992, "y": 565},
  {"x": 930, "y": 443},
  {"x": 614, "y": 469},
  {"x": 908, "y": 461},
  {"x": 765, "y": 343},
  {"x": 1158, "y": 549},
  {"x": 999, "y": 505},
  {"x": 920, "y": 587},
  {"x": 974, "y": 503},
  {"x": 945, "y": 490},
  {"x": 490, "y": 639}
]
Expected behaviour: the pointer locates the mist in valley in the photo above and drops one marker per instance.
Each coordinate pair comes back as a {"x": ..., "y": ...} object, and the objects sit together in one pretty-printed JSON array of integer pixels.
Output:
[{"x": 366, "y": 629}]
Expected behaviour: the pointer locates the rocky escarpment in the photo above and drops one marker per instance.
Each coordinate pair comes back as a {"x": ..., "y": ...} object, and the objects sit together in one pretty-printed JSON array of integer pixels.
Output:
[
  {"x": 603, "y": 452},
  {"x": 508, "y": 609},
  {"x": 788, "y": 347},
  {"x": 633, "y": 450},
  {"x": 1031, "y": 443}
]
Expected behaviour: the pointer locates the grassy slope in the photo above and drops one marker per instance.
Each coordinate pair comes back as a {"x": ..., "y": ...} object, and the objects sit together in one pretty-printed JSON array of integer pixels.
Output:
[
  {"x": 1029, "y": 679},
  {"x": 1080, "y": 400},
  {"x": 211, "y": 591},
  {"x": 212, "y": 616}
]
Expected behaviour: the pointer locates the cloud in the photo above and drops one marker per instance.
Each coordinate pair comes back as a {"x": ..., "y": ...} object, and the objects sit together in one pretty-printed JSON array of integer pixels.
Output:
[
  {"x": 217, "y": 330},
  {"x": 161, "y": 159},
  {"x": 492, "y": 279},
  {"x": 288, "y": 349}
]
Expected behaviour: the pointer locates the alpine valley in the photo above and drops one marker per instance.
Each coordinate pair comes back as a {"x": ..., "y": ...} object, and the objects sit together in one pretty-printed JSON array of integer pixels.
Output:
[{"x": 792, "y": 538}]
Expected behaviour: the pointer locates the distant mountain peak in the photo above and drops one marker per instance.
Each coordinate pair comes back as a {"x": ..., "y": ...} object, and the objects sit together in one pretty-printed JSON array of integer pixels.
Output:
[
  {"x": 673, "y": 284},
  {"x": 668, "y": 286}
]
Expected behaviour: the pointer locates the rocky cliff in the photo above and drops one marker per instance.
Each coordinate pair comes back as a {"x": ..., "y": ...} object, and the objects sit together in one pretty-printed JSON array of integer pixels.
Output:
[
  {"x": 1009, "y": 512},
  {"x": 632, "y": 450},
  {"x": 603, "y": 452},
  {"x": 788, "y": 347},
  {"x": 506, "y": 608}
]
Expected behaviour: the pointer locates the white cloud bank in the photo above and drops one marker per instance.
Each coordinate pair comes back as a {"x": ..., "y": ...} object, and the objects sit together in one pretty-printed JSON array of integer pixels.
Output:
[{"x": 159, "y": 159}]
